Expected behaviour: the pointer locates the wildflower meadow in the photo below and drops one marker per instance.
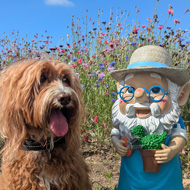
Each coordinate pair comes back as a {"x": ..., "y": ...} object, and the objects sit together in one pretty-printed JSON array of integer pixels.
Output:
[{"x": 94, "y": 48}]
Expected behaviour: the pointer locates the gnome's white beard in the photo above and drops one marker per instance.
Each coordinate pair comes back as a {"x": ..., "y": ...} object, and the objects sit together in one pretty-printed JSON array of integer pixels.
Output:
[{"x": 156, "y": 123}]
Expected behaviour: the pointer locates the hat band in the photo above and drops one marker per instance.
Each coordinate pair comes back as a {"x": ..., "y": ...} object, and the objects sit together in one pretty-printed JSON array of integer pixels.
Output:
[{"x": 146, "y": 64}]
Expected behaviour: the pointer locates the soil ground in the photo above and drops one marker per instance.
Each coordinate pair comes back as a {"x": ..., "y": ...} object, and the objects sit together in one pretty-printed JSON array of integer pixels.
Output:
[{"x": 104, "y": 165}]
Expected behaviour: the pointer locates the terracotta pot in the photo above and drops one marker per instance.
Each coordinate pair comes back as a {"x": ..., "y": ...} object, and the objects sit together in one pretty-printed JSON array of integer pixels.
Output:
[{"x": 149, "y": 162}]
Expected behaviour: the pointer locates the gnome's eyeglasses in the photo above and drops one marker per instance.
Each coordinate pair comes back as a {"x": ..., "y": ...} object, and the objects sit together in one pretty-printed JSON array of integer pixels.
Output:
[{"x": 126, "y": 93}]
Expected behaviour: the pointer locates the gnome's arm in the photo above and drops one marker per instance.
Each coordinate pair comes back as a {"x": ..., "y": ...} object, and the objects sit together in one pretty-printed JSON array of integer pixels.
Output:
[
  {"x": 117, "y": 143},
  {"x": 179, "y": 139}
]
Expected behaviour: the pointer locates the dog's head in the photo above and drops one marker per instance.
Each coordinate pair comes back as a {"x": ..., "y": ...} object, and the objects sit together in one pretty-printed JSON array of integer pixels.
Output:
[{"x": 40, "y": 99}]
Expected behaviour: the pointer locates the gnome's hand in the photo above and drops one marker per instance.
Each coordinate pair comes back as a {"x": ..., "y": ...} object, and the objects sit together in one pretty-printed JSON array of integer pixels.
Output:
[
  {"x": 164, "y": 155},
  {"x": 168, "y": 152},
  {"x": 118, "y": 144}
]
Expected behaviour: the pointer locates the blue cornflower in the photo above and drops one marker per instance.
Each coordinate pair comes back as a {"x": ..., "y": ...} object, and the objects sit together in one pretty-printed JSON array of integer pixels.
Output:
[
  {"x": 133, "y": 43},
  {"x": 101, "y": 64},
  {"x": 82, "y": 49},
  {"x": 97, "y": 85},
  {"x": 74, "y": 59},
  {"x": 83, "y": 86},
  {"x": 102, "y": 67},
  {"x": 112, "y": 64},
  {"x": 99, "y": 79},
  {"x": 113, "y": 100},
  {"x": 113, "y": 93}
]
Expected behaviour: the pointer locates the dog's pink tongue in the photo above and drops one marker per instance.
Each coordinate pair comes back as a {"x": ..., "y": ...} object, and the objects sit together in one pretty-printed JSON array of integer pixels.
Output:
[{"x": 58, "y": 123}]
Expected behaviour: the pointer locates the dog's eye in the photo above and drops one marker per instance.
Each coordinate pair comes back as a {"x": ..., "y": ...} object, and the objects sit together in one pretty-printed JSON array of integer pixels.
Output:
[
  {"x": 43, "y": 78},
  {"x": 66, "y": 80}
]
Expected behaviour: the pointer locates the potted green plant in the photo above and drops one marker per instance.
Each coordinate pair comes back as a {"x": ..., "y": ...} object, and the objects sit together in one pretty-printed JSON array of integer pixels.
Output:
[{"x": 150, "y": 143}]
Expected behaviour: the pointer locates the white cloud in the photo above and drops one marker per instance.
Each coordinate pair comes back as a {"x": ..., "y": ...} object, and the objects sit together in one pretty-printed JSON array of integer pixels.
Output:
[{"x": 65, "y": 3}]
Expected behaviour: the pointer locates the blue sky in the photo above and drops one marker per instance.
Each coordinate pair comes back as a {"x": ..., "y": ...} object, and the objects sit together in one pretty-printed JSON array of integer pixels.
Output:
[{"x": 35, "y": 16}]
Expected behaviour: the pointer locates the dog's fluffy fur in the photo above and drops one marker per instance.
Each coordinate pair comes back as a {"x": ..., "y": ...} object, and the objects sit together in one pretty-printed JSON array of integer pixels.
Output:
[{"x": 29, "y": 92}]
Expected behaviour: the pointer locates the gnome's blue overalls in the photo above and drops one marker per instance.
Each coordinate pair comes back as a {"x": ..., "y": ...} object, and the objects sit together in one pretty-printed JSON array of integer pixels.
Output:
[{"x": 132, "y": 176}]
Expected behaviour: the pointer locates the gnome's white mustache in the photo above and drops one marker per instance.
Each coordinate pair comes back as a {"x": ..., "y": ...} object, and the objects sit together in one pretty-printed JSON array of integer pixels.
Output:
[{"x": 154, "y": 108}]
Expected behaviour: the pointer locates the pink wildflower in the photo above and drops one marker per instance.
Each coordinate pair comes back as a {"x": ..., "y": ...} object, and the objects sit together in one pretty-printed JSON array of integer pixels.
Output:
[
  {"x": 104, "y": 34},
  {"x": 86, "y": 67},
  {"x": 183, "y": 152},
  {"x": 135, "y": 29},
  {"x": 160, "y": 27},
  {"x": 46, "y": 41},
  {"x": 74, "y": 66},
  {"x": 149, "y": 29},
  {"x": 79, "y": 60},
  {"x": 176, "y": 21},
  {"x": 143, "y": 26},
  {"x": 170, "y": 11},
  {"x": 86, "y": 138},
  {"x": 96, "y": 119}
]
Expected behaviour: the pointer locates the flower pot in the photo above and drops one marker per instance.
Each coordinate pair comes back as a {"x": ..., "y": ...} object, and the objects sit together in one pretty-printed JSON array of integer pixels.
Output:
[{"x": 149, "y": 162}]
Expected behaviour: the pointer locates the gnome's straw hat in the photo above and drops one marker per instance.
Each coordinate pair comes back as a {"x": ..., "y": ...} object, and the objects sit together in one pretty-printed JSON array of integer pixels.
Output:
[{"x": 153, "y": 59}]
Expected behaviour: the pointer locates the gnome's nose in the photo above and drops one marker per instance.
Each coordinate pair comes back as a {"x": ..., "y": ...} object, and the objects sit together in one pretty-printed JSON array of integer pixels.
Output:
[
  {"x": 64, "y": 99},
  {"x": 141, "y": 95}
]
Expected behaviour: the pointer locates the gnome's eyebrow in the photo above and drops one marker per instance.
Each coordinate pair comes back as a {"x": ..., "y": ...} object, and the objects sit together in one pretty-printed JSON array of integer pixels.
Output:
[
  {"x": 155, "y": 75},
  {"x": 129, "y": 76}
]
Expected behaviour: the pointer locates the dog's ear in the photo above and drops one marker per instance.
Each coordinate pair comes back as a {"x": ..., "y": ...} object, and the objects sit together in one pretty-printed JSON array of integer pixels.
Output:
[{"x": 12, "y": 124}]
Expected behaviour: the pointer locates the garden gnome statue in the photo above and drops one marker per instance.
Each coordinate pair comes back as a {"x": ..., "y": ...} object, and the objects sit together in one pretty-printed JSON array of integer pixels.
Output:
[{"x": 150, "y": 91}]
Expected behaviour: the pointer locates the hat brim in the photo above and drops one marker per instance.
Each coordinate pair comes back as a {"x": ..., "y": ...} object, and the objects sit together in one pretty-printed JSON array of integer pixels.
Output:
[{"x": 176, "y": 75}]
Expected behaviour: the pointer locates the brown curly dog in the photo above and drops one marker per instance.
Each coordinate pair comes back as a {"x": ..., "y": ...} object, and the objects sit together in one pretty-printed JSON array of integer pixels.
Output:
[{"x": 40, "y": 112}]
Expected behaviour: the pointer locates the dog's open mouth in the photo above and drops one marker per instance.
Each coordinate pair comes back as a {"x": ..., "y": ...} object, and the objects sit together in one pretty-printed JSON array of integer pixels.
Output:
[{"x": 58, "y": 123}]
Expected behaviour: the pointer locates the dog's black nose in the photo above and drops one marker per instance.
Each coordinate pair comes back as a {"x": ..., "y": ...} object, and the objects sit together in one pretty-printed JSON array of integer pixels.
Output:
[{"x": 64, "y": 99}]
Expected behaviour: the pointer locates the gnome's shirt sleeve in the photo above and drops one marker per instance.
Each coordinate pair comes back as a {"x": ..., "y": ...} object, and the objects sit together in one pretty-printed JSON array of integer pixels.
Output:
[
  {"x": 115, "y": 132},
  {"x": 179, "y": 129}
]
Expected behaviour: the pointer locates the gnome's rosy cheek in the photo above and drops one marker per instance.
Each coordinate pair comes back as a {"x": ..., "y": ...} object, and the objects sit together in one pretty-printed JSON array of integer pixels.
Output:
[
  {"x": 122, "y": 106},
  {"x": 165, "y": 104}
]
